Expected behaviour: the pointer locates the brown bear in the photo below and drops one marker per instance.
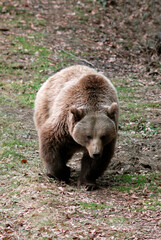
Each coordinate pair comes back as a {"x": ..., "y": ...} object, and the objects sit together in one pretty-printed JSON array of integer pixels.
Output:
[{"x": 77, "y": 110}]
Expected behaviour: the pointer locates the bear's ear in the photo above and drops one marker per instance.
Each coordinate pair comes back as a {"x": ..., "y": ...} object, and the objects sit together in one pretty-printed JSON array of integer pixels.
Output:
[
  {"x": 76, "y": 114},
  {"x": 112, "y": 110}
]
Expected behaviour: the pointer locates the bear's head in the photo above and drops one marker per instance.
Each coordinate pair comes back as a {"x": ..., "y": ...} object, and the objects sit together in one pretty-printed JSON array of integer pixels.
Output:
[{"x": 93, "y": 130}]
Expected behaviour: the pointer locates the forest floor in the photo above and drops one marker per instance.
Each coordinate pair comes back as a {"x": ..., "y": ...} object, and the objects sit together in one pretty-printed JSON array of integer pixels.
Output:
[{"x": 122, "y": 40}]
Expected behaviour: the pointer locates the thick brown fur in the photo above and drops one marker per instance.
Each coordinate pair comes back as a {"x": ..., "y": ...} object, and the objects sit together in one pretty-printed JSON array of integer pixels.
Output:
[{"x": 77, "y": 109}]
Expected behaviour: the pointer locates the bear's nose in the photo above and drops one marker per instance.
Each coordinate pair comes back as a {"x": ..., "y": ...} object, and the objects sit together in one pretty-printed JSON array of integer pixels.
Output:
[{"x": 96, "y": 155}]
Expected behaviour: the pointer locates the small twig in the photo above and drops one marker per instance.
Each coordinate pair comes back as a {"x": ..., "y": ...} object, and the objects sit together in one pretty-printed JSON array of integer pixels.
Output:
[{"x": 80, "y": 59}]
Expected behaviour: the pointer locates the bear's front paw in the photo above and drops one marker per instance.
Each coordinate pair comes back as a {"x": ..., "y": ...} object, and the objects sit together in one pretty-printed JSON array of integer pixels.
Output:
[
  {"x": 62, "y": 174},
  {"x": 89, "y": 185}
]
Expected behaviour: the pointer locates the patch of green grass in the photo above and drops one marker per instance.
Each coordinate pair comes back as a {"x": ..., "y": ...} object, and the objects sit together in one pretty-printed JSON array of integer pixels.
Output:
[
  {"x": 116, "y": 220},
  {"x": 143, "y": 105},
  {"x": 8, "y": 8},
  {"x": 136, "y": 123},
  {"x": 22, "y": 19},
  {"x": 29, "y": 74},
  {"x": 139, "y": 182},
  {"x": 63, "y": 28},
  {"x": 26, "y": 45},
  {"x": 6, "y": 99},
  {"x": 9, "y": 70},
  {"x": 39, "y": 22},
  {"x": 103, "y": 2},
  {"x": 153, "y": 205},
  {"x": 118, "y": 235},
  {"x": 81, "y": 15},
  {"x": 134, "y": 111},
  {"x": 10, "y": 151},
  {"x": 94, "y": 206},
  {"x": 37, "y": 36},
  {"x": 14, "y": 142}
]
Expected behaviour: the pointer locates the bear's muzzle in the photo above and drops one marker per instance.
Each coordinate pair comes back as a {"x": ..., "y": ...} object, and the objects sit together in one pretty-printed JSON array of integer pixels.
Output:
[{"x": 95, "y": 148}]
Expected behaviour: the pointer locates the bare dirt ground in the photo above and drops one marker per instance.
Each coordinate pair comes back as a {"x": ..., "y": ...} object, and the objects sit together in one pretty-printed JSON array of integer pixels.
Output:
[{"x": 123, "y": 41}]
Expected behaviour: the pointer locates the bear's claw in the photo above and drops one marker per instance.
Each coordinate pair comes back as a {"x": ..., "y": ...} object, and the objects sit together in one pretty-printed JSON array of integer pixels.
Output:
[{"x": 91, "y": 187}]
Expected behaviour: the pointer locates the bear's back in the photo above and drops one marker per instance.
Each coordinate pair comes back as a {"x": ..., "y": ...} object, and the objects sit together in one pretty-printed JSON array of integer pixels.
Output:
[
  {"x": 54, "y": 88},
  {"x": 66, "y": 78},
  {"x": 78, "y": 85}
]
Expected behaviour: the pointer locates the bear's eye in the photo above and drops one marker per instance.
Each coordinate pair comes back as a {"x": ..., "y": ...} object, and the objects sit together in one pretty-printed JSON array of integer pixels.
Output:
[
  {"x": 103, "y": 137},
  {"x": 89, "y": 137}
]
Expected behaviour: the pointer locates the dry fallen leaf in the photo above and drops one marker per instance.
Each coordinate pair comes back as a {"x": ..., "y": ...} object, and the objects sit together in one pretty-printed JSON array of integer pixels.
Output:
[{"x": 23, "y": 161}]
